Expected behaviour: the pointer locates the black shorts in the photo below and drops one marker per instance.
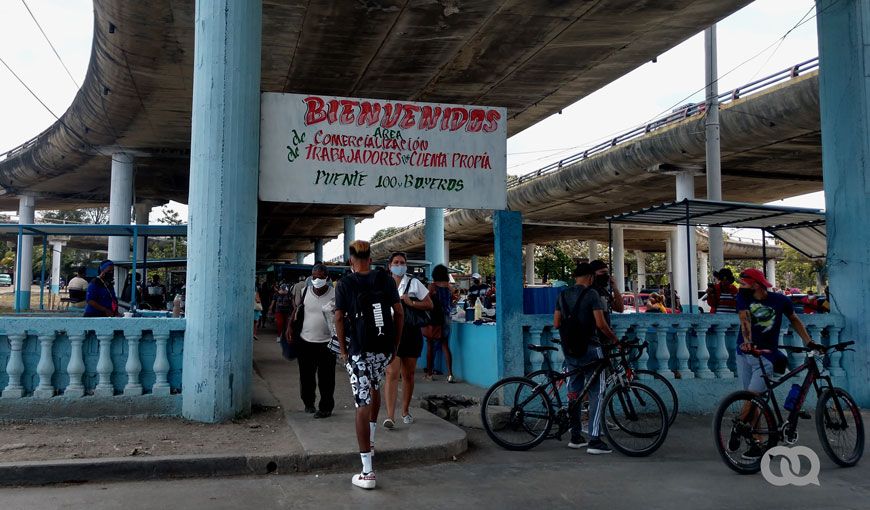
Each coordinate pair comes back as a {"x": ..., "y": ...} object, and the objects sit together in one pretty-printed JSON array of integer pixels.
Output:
[{"x": 411, "y": 345}]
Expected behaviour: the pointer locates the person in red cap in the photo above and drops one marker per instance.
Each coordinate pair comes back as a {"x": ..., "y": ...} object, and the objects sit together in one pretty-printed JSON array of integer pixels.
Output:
[{"x": 761, "y": 312}]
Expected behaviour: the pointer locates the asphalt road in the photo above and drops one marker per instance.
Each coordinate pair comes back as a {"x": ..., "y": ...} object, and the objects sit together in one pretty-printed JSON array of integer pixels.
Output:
[{"x": 685, "y": 473}]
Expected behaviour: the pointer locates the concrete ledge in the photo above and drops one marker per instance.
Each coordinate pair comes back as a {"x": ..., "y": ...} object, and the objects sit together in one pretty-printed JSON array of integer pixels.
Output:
[{"x": 89, "y": 407}]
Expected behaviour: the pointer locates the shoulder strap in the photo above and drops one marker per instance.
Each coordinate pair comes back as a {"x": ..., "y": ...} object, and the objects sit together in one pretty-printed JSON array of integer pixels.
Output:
[
  {"x": 579, "y": 300},
  {"x": 407, "y": 285}
]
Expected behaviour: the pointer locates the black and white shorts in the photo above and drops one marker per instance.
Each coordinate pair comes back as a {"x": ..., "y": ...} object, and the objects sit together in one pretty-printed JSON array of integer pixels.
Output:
[{"x": 366, "y": 372}]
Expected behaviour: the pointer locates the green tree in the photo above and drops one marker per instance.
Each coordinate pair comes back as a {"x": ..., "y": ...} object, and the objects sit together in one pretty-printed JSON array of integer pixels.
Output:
[{"x": 384, "y": 233}]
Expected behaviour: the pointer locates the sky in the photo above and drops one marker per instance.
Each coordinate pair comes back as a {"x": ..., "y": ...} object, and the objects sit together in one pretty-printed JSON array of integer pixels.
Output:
[{"x": 750, "y": 46}]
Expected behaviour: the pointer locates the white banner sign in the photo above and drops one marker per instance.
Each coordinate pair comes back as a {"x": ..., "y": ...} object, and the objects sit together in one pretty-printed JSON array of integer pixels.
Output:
[{"x": 336, "y": 150}]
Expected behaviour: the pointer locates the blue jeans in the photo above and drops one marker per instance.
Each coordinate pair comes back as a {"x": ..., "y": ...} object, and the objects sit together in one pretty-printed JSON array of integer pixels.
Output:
[{"x": 596, "y": 391}]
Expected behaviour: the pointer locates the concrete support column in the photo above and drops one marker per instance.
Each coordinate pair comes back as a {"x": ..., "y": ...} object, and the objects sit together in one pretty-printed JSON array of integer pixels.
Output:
[
  {"x": 529, "y": 263},
  {"x": 225, "y": 132},
  {"x": 434, "y": 231},
  {"x": 349, "y": 236},
  {"x": 318, "y": 250},
  {"x": 593, "y": 250},
  {"x": 300, "y": 257},
  {"x": 770, "y": 273},
  {"x": 24, "y": 262},
  {"x": 684, "y": 254},
  {"x": 447, "y": 253},
  {"x": 619, "y": 257},
  {"x": 703, "y": 272},
  {"x": 475, "y": 265},
  {"x": 142, "y": 211},
  {"x": 641, "y": 269},
  {"x": 508, "y": 226},
  {"x": 844, "y": 95},
  {"x": 56, "y": 252},
  {"x": 120, "y": 206}
]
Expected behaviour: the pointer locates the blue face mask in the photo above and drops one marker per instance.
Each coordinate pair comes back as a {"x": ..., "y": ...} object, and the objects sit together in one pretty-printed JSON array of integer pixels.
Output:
[{"x": 399, "y": 270}]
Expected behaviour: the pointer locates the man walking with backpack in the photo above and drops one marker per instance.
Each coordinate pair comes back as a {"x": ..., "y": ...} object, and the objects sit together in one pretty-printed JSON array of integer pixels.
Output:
[
  {"x": 362, "y": 313},
  {"x": 580, "y": 319}
]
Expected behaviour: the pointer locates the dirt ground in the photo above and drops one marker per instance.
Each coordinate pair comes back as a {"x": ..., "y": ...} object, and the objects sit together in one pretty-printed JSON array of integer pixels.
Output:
[{"x": 266, "y": 431}]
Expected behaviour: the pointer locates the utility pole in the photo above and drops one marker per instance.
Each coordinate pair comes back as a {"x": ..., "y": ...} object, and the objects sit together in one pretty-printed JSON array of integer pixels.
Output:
[{"x": 711, "y": 124}]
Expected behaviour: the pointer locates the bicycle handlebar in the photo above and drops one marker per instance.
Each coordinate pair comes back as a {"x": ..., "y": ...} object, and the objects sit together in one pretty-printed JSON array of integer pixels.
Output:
[{"x": 821, "y": 349}]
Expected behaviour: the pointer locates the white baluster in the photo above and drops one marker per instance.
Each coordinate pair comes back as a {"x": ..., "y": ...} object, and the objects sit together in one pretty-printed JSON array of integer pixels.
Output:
[
  {"x": 643, "y": 360},
  {"x": 45, "y": 368},
  {"x": 836, "y": 367},
  {"x": 76, "y": 367},
  {"x": 721, "y": 353},
  {"x": 161, "y": 365},
  {"x": 105, "y": 367},
  {"x": 794, "y": 358},
  {"x": 133, "y": 366},
  {"x": 702, "y": 354},
  {"x": 662, "y": 353},
  {"x": 15, "y": 367},
  {"x": 683, "y": 353},
  {"x": 558, "y": 357}
]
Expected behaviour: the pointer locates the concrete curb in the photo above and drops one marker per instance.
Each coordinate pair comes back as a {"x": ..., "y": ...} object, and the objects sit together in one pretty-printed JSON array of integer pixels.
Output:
[{"x": 193, "y": 466}]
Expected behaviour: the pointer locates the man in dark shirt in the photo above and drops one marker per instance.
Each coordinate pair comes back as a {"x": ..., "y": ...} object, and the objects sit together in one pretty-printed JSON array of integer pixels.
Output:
[
  {"x": 100, "y": 296},
  {"x": 604, "y": 283},
  {"x": 367, "y": 356},
  {"x": 477, "y": 291},
  {"x": 581, "y": 351},
  {"x": 761, "y": 313}
]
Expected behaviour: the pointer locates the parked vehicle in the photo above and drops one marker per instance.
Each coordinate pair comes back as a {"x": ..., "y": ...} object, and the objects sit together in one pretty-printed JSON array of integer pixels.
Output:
[
  {"x": 635, "y": 303},
  {"x": 5, "y": 280}
]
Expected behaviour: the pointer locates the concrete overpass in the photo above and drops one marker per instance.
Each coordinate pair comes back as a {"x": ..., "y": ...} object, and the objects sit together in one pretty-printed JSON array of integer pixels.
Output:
[
  {"x": 771, "y": 149},
  {"x": 534, "y": 57}
]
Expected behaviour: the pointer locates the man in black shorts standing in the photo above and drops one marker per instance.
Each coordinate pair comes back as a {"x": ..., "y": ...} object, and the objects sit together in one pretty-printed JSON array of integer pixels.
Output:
[{"x": 362, "y": 314}]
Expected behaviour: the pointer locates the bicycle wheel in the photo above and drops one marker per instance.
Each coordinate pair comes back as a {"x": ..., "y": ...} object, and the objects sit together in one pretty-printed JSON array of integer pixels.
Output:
[
  {"x": 743, "y": 429},
  {"x": 840, "y": 428},
  {"x": 663, "y": 388},
  {"x": 514, "y": 415},
  {"x": 635, "y": 419},
  {"x": 557, "y": 392}
]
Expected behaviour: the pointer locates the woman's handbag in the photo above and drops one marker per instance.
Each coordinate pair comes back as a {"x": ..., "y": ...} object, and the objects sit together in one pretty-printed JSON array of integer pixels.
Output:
[
  {"x": 415, "y": 318},
  {"x": 298, "y": 317}
]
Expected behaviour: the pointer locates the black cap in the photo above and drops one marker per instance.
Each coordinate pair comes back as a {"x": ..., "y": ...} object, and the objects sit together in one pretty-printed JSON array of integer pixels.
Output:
[
  {"x": 583, "y": 269},
  {"x": 597, "y": 264},
  {"x": 724, "y": 273}
]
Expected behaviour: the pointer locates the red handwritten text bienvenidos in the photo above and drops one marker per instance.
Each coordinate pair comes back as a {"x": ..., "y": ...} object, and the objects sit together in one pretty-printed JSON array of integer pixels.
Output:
[{"x": 400, "y": 115}]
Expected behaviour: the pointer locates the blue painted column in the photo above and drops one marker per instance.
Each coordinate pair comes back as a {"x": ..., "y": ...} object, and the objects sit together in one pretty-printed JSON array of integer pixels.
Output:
[
  {"x": 508, "y": 226},
  {"x": 318, "y": 250},
  {"x": 475, "y": 265},
  {"x": 349, "y": 236},
  {"x": 24, "y": 264},
  {"x": 434, "y": 231},
  {"x": 224, "y": 168},
  {"x": 844, "y": 94}
]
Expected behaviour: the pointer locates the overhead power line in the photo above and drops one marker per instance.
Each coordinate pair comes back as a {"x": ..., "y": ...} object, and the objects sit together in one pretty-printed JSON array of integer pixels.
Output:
[{"x": 56, "y": 54}]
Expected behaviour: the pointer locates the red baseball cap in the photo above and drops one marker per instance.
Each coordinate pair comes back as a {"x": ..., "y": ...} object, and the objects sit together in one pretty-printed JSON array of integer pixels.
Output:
[{"x": 752, "y": 275}]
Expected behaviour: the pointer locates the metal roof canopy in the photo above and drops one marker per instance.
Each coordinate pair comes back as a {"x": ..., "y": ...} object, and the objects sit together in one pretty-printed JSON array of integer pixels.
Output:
[
  {"x": 801, "y": 228},
  {"x": 85, "y": 229}
]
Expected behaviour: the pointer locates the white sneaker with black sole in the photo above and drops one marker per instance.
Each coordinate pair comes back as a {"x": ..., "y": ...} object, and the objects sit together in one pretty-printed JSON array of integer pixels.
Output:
[
  {"x": 365, "y": 480},
  {"x": 577, "y": 442},
  {"x": 598, "y": 447}
]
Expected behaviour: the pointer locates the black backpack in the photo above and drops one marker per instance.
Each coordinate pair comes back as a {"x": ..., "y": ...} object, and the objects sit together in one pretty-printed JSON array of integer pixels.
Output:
[
  {"x": 370, "y": 322},
  {"x": 576, "y": 333}
]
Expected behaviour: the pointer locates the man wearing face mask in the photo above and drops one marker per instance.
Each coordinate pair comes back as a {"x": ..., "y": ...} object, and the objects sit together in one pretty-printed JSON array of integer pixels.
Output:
[
  {"x": 316, "y": 361},
  {"x": 611, "y": 298},
  {"x": 100, "y": 296}
]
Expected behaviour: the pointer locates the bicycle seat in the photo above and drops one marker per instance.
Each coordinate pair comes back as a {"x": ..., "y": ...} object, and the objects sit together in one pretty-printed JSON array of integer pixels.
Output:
[{"x": 542, "y": 348}]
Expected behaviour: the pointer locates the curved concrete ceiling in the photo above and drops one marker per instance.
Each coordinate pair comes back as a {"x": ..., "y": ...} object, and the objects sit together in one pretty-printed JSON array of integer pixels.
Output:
[{"x": 534, "y": 57}]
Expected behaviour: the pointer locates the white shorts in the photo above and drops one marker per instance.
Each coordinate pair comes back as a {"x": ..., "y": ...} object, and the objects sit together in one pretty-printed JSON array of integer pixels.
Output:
[{"x": 749, "y": 371}]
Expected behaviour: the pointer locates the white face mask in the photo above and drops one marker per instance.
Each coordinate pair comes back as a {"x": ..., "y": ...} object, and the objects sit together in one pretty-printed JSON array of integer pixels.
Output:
[{"x": 318, "y": 283}]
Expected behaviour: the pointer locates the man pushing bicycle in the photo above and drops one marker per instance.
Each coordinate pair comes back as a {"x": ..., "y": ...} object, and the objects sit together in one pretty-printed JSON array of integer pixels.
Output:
[{"x": 581, "y": 321}]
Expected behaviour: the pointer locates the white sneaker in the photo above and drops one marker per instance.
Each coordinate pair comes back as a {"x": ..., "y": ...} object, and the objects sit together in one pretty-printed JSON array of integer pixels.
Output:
[
  {"x": 388, "y": 424},
  {"x": 407, "y": 419},
  {"x": 364, "y": 480},
  {"x": 278, "y": 340}
]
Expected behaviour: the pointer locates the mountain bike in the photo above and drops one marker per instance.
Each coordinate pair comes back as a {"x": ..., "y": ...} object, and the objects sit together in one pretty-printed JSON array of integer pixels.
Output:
[
  {"x": 655, "y": 381},
  {"x": 518, "y": 413},
  {"x": 747, "y": 424}
]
